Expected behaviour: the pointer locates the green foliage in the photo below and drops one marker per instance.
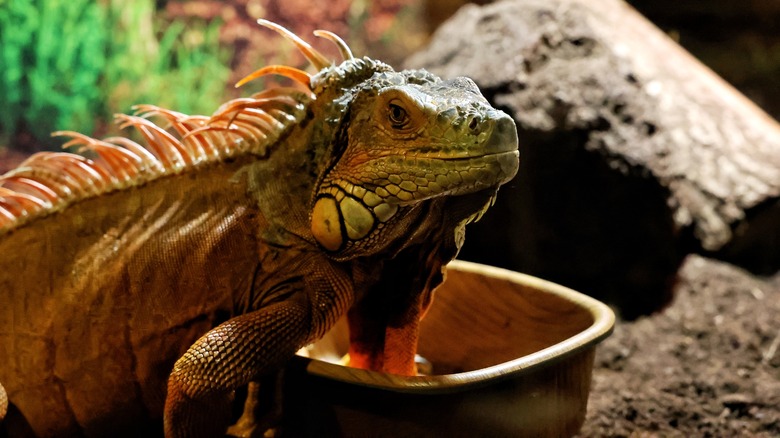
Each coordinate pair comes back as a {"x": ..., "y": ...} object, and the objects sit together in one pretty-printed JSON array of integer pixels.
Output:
[
  {"x": 67, "y": 64},
  {"x": 51, "y": 64},
  {"x": 181, "y": 68}
]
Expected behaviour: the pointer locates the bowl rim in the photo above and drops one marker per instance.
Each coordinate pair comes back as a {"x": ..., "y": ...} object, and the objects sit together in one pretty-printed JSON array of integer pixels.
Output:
[{"x": 600, "y": 329}]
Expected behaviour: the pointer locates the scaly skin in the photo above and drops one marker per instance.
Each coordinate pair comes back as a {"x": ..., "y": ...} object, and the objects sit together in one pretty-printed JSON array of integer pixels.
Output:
[{"x": 355, "y": 209}]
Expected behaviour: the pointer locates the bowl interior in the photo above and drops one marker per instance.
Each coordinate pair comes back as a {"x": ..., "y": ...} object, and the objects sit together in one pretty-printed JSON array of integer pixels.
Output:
[{"x": 478, "y": 321}]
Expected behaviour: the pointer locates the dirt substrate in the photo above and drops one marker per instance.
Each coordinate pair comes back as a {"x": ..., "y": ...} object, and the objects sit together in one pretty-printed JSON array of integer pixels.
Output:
[{"x": 709, "y": 365}]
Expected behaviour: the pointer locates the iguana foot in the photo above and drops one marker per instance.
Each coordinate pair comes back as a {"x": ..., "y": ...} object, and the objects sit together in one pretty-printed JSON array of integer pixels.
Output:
[
  {"x": 262, "y": 410},
  {"x": 201, "y": 386}
]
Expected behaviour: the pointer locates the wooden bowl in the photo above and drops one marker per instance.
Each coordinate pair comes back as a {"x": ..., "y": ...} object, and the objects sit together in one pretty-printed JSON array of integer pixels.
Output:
[{"x": 512, "y": 356}]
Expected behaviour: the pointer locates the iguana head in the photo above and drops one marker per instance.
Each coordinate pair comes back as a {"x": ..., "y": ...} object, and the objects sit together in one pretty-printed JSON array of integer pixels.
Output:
[
  {"x": 389, "y": 142},
  {"x": 407, "y": 137}
]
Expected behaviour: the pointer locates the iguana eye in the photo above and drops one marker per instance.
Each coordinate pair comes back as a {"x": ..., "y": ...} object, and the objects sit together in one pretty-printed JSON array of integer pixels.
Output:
[{"x": 398, "y": 116}]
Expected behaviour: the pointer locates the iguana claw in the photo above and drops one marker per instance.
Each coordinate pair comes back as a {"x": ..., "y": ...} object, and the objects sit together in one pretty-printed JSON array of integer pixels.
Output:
[{"x": 3, "y": 403}]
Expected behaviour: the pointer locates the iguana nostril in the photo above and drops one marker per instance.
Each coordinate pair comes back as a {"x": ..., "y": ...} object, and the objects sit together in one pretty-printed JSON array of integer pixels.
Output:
[{"x": 474, "y": 123}]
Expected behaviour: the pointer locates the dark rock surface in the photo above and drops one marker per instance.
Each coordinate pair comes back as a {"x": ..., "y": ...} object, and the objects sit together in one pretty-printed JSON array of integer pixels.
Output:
[
  {"x": 708, "y": 366},
  {"x": 737, "y": 39},
  {"x": 633, "y": 154}
]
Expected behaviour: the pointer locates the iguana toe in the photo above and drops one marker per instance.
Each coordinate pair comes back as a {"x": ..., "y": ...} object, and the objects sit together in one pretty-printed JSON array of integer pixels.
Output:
[{"x": 3, "y": 402}]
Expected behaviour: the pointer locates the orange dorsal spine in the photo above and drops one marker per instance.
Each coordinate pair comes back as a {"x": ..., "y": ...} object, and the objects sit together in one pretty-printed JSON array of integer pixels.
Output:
[{"x": 49, "y": 181}]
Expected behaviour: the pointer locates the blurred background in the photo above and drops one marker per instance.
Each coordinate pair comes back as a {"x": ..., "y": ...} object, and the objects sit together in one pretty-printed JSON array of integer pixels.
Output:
[{"x": 71, "y": 64}]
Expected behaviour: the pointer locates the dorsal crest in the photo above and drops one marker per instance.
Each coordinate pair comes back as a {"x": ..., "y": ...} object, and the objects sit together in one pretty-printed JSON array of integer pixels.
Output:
[{"x": 173, "y": 143}]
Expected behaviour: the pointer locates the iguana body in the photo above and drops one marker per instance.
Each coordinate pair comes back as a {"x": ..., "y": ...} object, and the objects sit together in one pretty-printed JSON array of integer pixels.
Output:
[{"x": 235, "y": 242}]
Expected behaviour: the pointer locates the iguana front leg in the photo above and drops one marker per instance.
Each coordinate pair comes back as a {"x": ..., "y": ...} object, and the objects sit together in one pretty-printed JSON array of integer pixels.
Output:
[
  {"x": 200, "y": 388},
  {"x": 201, "y": 385}
]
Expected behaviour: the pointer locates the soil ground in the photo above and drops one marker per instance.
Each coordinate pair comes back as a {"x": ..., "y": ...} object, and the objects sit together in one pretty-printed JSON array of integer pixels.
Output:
[{"x": 707, "y": 366}]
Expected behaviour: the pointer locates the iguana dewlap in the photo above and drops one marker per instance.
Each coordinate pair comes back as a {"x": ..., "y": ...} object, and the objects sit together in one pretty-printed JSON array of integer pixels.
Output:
[{"x": 229, "y": 242}]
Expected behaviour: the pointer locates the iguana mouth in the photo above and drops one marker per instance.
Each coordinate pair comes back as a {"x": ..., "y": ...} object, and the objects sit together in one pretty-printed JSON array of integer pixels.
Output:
[
  {"x": 486, "y": 171},
  {"x": 406, "y": 178},
  {"x": 509, "y": 162},
  {"x": 469, "y": 157},
  {"x": 501, "y": 148},
  {"x": 502, "y": 138}
]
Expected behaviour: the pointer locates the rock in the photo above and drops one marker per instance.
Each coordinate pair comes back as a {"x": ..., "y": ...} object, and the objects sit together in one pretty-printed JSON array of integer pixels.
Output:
[
  {"x": 633, "y": 154},
  {"x": 696, "y": 369}
]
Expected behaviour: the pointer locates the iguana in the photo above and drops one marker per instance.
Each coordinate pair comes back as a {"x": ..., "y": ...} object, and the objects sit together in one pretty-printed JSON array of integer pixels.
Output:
[{"x": 231, "y": 241}]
